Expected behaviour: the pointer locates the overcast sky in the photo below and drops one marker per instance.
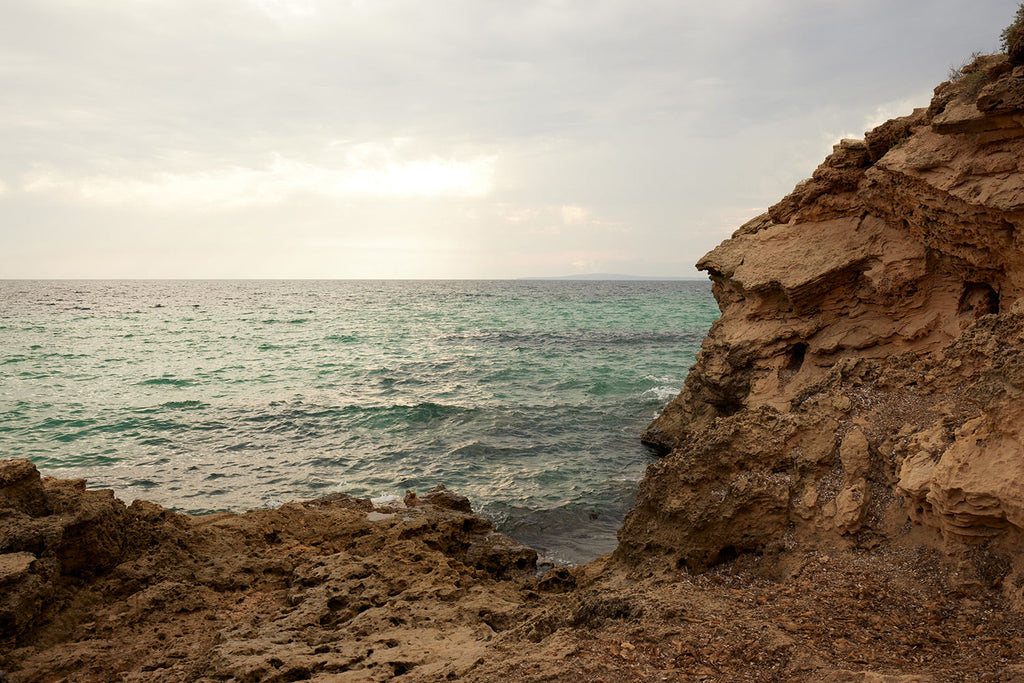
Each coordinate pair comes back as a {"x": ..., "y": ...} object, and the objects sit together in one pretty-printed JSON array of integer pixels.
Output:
[{"x": 447, "y": 138}]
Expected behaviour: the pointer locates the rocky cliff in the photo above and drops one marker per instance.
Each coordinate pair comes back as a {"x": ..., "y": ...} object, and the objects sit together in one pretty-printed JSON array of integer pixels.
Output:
[{"x": 863, "y": 384}]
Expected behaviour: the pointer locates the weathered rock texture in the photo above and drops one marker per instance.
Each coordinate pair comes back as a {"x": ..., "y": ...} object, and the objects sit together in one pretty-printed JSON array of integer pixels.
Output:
[
  {"x": 336, "y": 590},
  {"x": 93, "y": 590},
  {"x": 863, "y": 385}
]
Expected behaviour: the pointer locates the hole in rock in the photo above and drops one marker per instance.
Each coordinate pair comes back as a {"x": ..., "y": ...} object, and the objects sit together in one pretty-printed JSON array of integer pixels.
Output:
[
  {"x": 400, "y": 668},
  {"x": 978, "y": 299},
  {"x": 728, "y": 407},
  {"x": 796, "y": 357},
  {"x": 727, "y": 554}
]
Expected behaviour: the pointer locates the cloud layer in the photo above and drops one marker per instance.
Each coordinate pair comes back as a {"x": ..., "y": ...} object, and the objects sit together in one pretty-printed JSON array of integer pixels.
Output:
[{"x": 456, "y": 138}]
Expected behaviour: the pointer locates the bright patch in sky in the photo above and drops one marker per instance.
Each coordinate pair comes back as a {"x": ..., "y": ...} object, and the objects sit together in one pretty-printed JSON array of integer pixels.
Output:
[
  {"x": 278, "y": 181},
  {"x": 287, "y": 9}
]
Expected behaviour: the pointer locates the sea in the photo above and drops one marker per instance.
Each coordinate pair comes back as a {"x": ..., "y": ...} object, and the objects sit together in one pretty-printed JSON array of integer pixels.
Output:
[{"x": 527, "y": 396}]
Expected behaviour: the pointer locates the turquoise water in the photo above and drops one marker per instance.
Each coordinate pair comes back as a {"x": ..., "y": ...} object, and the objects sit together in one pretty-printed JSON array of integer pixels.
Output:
[{"x": 526, "y": 396}]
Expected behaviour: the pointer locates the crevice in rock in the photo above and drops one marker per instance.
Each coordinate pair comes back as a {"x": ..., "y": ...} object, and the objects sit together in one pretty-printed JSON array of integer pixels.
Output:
[
  {"x": 978, "y": 299},
  {"x": 795, "y": 356}
]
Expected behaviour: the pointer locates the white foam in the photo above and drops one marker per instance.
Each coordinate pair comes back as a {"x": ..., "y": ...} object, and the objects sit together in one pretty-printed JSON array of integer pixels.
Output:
[
  {"x": 661, "y": 380},
  {"x": 385, "y": 499},
  {"x": 663, "y": 393},
  {"x": 272, "y": 503},
  {"x": 388, "y": 502}
]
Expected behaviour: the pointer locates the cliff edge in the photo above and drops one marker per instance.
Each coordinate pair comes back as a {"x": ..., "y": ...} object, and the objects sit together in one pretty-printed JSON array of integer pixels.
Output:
[{"x": 863, "y": 384}]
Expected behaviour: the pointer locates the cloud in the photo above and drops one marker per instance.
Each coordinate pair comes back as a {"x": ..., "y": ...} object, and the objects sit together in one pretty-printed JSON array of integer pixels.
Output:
[
  {"x": 280, "y": 180},
  {"x": 574, "y": 215},
  {"x": 556, "y": 123}
]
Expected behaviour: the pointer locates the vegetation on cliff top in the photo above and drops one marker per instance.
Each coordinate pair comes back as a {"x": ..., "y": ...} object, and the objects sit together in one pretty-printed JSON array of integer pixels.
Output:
[{"x": 1012, "y": 38}]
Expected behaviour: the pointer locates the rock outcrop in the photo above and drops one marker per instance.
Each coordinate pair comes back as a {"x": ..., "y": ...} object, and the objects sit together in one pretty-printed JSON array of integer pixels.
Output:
[
  {"x": 863, "y": 384},
  {"x": 91, "y": 589}
]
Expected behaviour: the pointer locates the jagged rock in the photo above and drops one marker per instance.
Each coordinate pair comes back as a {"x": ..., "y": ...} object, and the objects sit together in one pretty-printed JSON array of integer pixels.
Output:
[
  {"x": 893, "y": 132},
  {"x": 501, "y": 556},
  {"x": 21, "y": 488},
  {"x": 317, "y": 572},
  {"x": 868, "y": 367},
  {"x": 441, "y": 497}
]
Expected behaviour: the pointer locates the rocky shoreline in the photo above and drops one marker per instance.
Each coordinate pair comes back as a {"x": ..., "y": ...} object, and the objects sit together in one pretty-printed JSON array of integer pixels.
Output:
[
  {"x": 841, "y": 496},
  {"x": 339, "y": 590}
]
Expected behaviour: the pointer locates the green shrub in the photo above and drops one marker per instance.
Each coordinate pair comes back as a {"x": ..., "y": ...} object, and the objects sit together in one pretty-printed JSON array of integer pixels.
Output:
[{"x": 1012, "y": 37}]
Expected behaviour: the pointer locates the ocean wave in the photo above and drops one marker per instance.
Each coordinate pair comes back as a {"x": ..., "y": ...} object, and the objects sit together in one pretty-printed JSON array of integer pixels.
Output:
[
  {"x": 166, "y": 381},
  {"x": 307, "y": 420},
  {"x": 544, "y": 339},
  {"x": 185, "y": 405},
  {"x": 662, "y": 379},
  {"x": 420, "y": 413},
  {"x": 344, "y": 338}
]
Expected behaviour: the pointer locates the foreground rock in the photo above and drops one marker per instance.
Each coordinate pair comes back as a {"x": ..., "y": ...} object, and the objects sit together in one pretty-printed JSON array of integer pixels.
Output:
[
  {"x": 92, "y": 589},
  {"x": 338, "y": 590},
  {"x": 863, "y": 385}
]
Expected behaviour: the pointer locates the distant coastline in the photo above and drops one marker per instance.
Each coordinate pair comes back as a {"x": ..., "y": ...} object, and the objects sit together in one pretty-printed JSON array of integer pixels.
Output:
[
  {"x": 586, "y": 276},
  {"x": 614, "y": 276}
]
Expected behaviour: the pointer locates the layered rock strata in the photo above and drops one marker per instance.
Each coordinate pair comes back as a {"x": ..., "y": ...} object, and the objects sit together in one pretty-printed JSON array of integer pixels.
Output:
[{"x": 862, "y": 385}]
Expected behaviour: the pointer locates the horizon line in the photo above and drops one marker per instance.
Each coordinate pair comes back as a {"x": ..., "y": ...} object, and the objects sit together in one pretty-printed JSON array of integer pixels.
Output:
[{"x": 596, "y": 277}]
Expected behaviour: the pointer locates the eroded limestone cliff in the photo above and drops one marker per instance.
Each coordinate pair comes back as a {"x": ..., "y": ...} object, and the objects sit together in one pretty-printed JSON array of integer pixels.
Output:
[{"x": 863, "y": 384}]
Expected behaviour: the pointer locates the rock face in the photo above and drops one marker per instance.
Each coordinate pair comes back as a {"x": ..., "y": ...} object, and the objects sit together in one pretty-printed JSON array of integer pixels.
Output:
[
  {"x": 863, "y": 384},
  {"x": 51, "y": 530}
]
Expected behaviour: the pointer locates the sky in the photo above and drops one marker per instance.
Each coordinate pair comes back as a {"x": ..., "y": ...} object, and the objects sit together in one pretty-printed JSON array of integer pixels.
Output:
[{"x": 435, "y": 138}]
